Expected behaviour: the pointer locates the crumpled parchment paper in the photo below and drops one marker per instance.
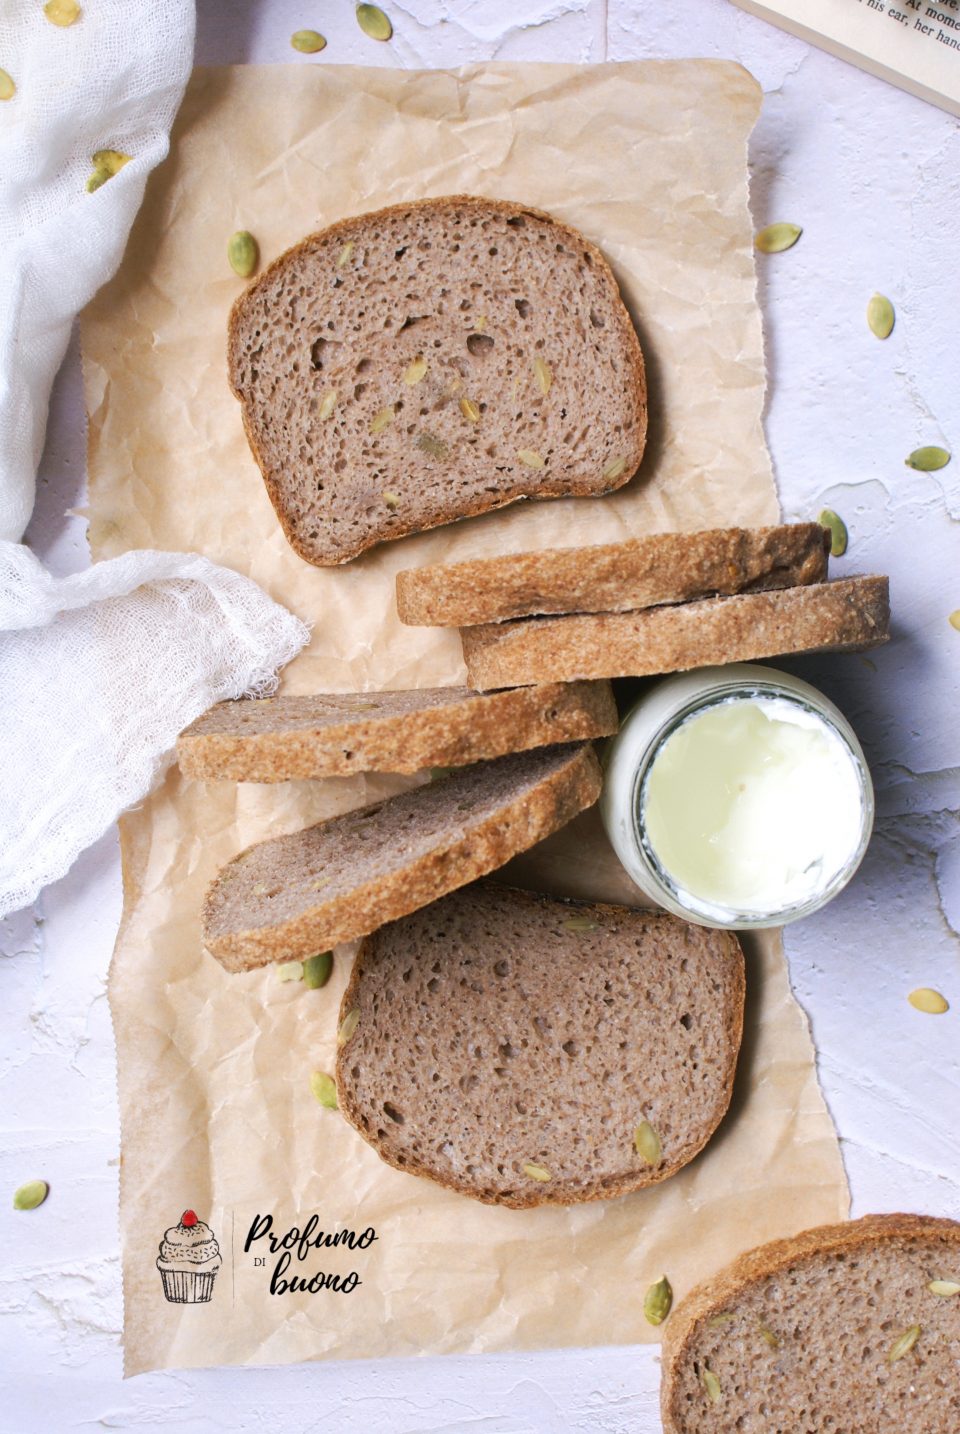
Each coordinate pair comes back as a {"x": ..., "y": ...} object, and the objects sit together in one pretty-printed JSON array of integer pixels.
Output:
[{"x": 649, "y": 160}]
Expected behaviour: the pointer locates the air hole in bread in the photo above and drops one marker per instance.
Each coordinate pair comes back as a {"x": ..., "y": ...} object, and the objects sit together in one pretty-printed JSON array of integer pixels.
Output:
[{"x": 480, "y": 345}]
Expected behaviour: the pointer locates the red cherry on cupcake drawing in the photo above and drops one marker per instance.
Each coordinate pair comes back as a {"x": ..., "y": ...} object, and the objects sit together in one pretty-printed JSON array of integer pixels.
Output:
[{"x": 188, "y": 1218}]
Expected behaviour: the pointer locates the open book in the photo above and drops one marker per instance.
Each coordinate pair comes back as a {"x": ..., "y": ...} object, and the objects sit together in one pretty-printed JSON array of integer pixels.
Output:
[{"x": 912, "y": 43}]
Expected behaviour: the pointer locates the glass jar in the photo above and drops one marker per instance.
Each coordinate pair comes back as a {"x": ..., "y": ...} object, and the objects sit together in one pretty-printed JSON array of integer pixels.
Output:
[{"x": 737, "y": 796}]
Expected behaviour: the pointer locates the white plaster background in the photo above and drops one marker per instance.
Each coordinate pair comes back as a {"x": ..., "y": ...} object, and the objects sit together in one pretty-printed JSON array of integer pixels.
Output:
[{"x": 871, "y": 174}]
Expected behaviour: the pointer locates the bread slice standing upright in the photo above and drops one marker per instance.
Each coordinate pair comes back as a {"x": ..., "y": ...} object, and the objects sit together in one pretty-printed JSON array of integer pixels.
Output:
[
  {"x": 279, "y": 739},
  {"x": 525, "y": 1050},
  {"x": 851, "y": 1328},
  {"x": 614, "y": 577},
  {"x": 430, "y": 361},
  {"x": 305, "y": 892}
]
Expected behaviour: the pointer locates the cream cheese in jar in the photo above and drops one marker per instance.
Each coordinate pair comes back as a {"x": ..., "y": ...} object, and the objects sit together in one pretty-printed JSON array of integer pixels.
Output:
[{"x": 737, "y": 796}]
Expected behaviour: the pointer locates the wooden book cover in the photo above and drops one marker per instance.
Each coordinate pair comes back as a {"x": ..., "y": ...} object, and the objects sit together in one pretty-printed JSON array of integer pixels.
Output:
[{"x": 912, "y": 43}]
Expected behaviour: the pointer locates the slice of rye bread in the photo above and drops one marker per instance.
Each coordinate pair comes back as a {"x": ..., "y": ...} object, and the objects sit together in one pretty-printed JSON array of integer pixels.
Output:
[
  {"x": 277, "y": 739},
  {"x": 850, "y": 613},
  {"x": 614, "y": 577},
  {"x": 500, "y": 1029},
  {"x": 310, "y": 890},
  {"x": 799, "y": 1335},
  {"x": 431, "y": 361}
]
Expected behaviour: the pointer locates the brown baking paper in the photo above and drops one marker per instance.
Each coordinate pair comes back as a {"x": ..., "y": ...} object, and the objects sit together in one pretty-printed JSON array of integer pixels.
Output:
[{"x": 649, "y": 160}]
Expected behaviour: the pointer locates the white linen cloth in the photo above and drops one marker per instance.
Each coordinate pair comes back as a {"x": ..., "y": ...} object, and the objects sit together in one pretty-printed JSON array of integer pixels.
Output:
[{"x": 99, "y": 671}]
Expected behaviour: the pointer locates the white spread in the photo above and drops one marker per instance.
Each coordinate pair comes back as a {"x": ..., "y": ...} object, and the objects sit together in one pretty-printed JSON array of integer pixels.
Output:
[{"x": 753, "y": 805}]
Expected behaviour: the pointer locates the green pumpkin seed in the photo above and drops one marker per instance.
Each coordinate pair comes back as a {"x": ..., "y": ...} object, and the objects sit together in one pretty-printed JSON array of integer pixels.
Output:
[
  {"x": 928, "y": 460},
  {"x": 544, "y": 375},
  {"x": 946, "y": 1289},
  {"x": 838, "y": 531},
  {"x": 316, "y": 970},
  {"x": 904, "y": 1343},
  {"x": 530, "y": 458},
  {"x": 929, "y": 1001},
  {"x": 777, "y": 237},
  {"x": 327, "y": 404},
  {"x": 880, "y": 316},
  {"x": 391, "y": 499},
  {"x": 373, "y": 22},
  {"x": 290, "y": 971},
  {"x": 436, "y": 447},
  {"x": 712, "y": 1385},
  {"x": 324, "y": 1087},
  {"x": 381, "y": 420},
  {"x": 767, "y": 1335},
  {"x": 308, "y": 42},
  {"x": 579, "y": 923},
  {"x": 716, "y": 1321},
  {"x": 415, "y": 371},
  {"x": 348, "y": 1025},
  {"x": 29, "y": 1196},
  {"x": 647, "y": 1143},
  {"x": 657, "y": 1301},
  {"x": 614, "y": 469},
  {"x": 537, "y": 1172},
  {"x": 62, "y": 12},
  {"x": 470, "y": 410},
  {"x": 106, "y": 163},
  {"x": 243, "y": 253},
  {"x": 7, "y": 88},
  {"x": 343, "y": 258}
]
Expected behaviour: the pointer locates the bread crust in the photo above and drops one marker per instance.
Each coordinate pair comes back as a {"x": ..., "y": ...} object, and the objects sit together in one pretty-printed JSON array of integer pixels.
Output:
[
  {"x": 345, "y": 229},
  {"x": 847, "y": 613},
  {"x": 235, "y": 740},
  {"x": 614, "y": 577},
  {"x": 556, "y": 1192},
  {"x": 472, "y": 850},
  {"x": 759, "y": 1264}
]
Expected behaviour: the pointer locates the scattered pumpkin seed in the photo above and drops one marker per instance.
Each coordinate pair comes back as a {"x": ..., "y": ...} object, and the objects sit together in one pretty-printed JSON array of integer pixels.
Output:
[
  {"x": 416, "y": 371},
  {"x": 470, "y": 410},
  {"x": 106, "y": 163},
  {"x": 777, "y": 237},
  {"x": 343, "y": 258},
  {"x": 327, "y": 404},
  {"x": 928, "y": 460},
  {"x": 381, "y": 420},
  {"x": 711, "y": 1384},
  {"x": 290, "y": 971},
  {"x": 373, "y": 22},
  {"x": 537, "y": 1172},
  {"x": 243, "y": 255},
  {"x": 647, "y": 1143},
  {"x": 324, "y": 1087},
  {"x": 544, "y": 374},
  {"x": 29, "y": 1196},
  {"x": 308, "y": 42},
  {"x": 946, "y": 1289},
  {"x": 614, "y": 469},
  {"x": 954, "y": 619},
  {"x": 316, "y": 970},
  {"x": 880, "y": 316},
  {"x": 579, "y": 923},
  {"x": 434, "y": 446},
  {"x": 529, "y": 458},
  {"x": 347, "y": 1026},
  {"x": 767, "y": 1335},
  {"x": 657, "y": 1301},
  {"x": 838, "y": 531},
  {"x": 62, "y": 12},
  {"x": 929, "y": 1001},
  {"x": 904, "y": 1343},
  {"x": 391, "y": 499}
]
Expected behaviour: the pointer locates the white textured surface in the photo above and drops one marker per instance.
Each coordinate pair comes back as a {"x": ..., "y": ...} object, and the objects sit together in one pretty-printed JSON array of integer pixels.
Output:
[{"x": 870, "y": 174}]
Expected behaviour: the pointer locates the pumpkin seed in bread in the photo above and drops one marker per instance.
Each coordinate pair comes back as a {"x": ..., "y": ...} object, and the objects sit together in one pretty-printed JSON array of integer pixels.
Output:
[
  {"x": 430, "y": 361},
  {"x": 310, "y": 890},
  {"x": 835, "y": 1329},
  {"x": 510, "y": 1045},
  {"x": 614, "y": 577},
  {"x": 850, "y": 613},
  {"x": 278, "y": 739}
]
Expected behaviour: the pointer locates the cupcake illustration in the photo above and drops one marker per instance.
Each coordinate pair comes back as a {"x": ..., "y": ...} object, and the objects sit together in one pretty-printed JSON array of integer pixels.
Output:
[{"x": 189, "y": 1260}]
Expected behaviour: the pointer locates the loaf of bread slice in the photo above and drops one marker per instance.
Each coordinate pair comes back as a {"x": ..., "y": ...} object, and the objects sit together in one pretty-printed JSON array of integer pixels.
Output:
[
  {"x": 430, "y": 361},
  {"x": 308, "y": 891},
  {"x": 614, "y": 577},
  {"x": 510, "y": 1045},
  {"x": 850, "y": 613},
  {"x": 278, "y": 739},
  {"x": 839, "y": 1329}
]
